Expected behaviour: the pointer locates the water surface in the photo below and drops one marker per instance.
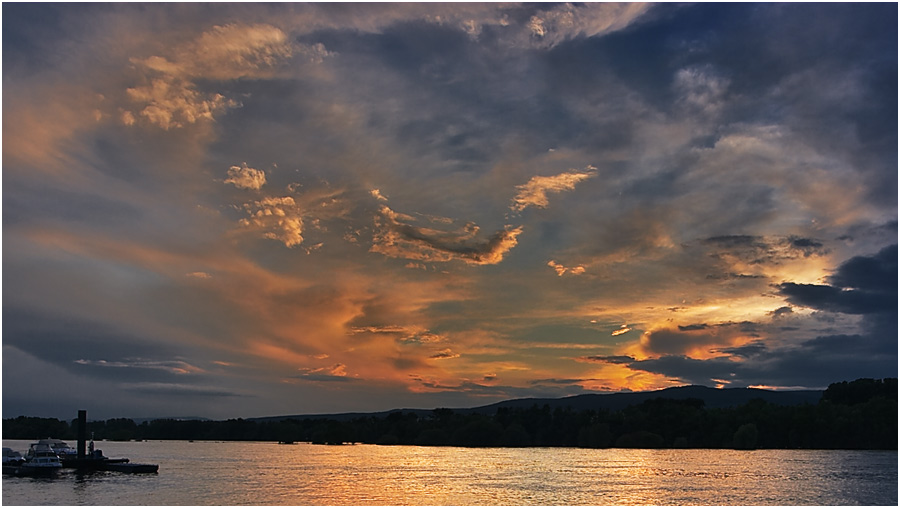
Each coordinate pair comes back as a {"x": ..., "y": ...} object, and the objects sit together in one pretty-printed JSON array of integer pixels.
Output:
[{"x": 209, "y": 473}]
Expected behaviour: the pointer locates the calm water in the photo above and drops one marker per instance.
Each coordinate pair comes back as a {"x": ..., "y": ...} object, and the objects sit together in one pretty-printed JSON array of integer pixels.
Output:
[{"x": 207, "y": 473}]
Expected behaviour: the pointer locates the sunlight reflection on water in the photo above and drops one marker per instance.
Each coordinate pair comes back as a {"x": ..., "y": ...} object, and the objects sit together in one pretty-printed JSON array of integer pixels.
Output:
[{"x": 206, "y": 473}]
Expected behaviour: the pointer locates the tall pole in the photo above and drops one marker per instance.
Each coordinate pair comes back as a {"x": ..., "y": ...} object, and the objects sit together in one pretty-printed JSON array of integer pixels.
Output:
[{"x": 81, "y": 432}]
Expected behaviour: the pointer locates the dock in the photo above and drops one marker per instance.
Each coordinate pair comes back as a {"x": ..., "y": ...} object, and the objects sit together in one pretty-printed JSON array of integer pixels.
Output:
[{"x": 95, "y": 461}]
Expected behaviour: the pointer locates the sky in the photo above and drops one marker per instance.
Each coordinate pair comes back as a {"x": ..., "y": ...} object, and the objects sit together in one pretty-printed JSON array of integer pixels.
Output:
[{"x": 239, "y": 210}]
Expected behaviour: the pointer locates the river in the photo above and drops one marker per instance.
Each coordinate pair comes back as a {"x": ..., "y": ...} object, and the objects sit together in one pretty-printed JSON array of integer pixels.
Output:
[{"x": 215, "y": 473}]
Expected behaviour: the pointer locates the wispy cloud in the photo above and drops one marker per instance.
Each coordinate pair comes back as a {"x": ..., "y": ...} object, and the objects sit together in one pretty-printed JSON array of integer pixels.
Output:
[
  {"x": 397, "y": 236},
  {"x": 534, "y": 193},
  {"x": 334, "y": 373},
  {"x": 563, "y": 22},
  {"x": 444, "y": 354},
  {"x": 172, "y": 366},
  {"x": 170, "y": 96}
]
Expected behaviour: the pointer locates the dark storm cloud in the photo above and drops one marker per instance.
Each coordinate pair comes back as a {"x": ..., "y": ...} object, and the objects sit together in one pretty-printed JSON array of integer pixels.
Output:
[
  {"x": 63, "y": 340},
  {"x": 667, "y": 341},
  {"x": 861, "y": 285},
  {"x": 815, "y": 363},
  {"x": 687, "y": 370},
  {"x": 751, "y": 350},
  {"x": 871, "y": 273},
  {"x": 835, "y": 299},
  {"x": 93, "y": 349},
  {"x": 781, "y": 311}
]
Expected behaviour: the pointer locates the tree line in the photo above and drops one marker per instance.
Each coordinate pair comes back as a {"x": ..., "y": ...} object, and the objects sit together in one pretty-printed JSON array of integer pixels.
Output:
[{"x": 861, "y": 414}]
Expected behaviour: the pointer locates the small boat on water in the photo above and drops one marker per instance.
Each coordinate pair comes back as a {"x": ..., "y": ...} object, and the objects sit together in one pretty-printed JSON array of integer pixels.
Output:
[
  {"x": 11, "y": 461},
  {"x": 38, "y": 461},
  {"x": 62, "y": 449},
  {"x": 12, "y": 457}
]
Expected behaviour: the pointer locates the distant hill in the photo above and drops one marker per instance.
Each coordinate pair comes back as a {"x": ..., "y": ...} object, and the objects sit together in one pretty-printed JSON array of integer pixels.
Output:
[{"x": 712, "y": 398}]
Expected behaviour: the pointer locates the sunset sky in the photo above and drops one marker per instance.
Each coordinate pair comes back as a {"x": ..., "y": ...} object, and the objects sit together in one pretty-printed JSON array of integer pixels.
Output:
[{"x": 239, "y": 210}]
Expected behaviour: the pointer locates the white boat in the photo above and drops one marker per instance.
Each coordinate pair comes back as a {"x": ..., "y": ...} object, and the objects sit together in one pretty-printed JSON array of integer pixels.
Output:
[
  {"x": 60, "y": 447},
  {"x": 40, "y": 459}
]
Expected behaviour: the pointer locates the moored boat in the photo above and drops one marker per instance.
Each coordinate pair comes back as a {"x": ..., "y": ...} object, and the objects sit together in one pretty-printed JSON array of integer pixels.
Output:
[
  {"x": 61, "y": 448},
  {"x": 11, "y": 461},
  {"x": 39, "y": 460},
  {"x": 12, "y": 457}
]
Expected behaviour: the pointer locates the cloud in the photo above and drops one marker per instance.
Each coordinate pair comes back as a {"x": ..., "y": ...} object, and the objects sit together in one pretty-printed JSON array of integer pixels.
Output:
[
  {"x": 701, "y": 89},
  {"x": 334, "y": 373},
  {"x": 781, "y": 311},
  {"x": 757, "y": 250},
  {"x": 278, "y": 218},
  {"x": 861, "y": 285},
  {"x": 620, "y": 331},
  {"x": 395, "y": 236},
  {"x": 423, "y": 338},
  {"x": 228, "y": 52},
  {"x": 613, "y": 359},
  {"x": 179, "y": 390},
  {"x": 388, "y": 329},
  {"x": 444, "y": 354},
  {"x": 691, "y": 340},
  {"x": 562, "y": 270},
  {"x": 172, "y": 366},
  {"x": 173, "y": 103},
  {"x": 534, "y": 193},
  {"x": 774, "y": 354},
  {"x": 728, "y": 183},
  {"x": 877, "y": 273},
  {"x": 244, "y": 177},
  {"x": 567, "y": 21},
  {"x": 170, "y": 96},
  {"x": 751, "y": 350},
  {"x": 813, "y": 363},
  {"x": 404, "y": 334}
]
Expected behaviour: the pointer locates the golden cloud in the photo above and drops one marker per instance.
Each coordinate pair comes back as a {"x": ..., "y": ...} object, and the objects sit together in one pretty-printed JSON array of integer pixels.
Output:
[
  {"x": 534, "y": 193},
  {"x": 170, "y": 97},
  {"x": 279, "y": 219},
  {"x": 397, "y": 237},
  {"x": 244, "y": 177}
]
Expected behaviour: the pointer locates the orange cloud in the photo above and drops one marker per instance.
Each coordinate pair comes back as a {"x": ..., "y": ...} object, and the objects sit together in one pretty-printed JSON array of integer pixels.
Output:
[
  {"x": 534, "y": 193},
  {"x": 279, "y": 219},
  {"x": 244, "y": 177},
  {"x": 397, "y": 237},
  {"x": 562, "y": 270}
]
